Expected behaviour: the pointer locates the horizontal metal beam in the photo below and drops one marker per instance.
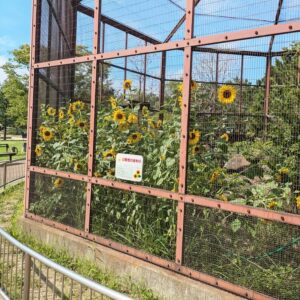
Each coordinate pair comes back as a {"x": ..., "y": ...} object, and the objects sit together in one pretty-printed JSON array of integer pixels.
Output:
[
  {"x": 114, "y": 23},
  {"x": 192, "y": 199},
  {"x": 199, "y": 41}
]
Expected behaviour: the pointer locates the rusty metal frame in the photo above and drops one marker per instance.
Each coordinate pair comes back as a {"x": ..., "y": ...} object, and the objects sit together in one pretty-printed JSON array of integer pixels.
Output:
[
  {"x": 188, "y": 45},
  {"x": 175, "y": 45}
]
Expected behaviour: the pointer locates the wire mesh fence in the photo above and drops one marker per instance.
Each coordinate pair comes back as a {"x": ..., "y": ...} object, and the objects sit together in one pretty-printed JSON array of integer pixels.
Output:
[
  {"x": 207, "y": 94},
  {"x": 11, "y": 172},
  {"x": 25, "y": 274}
]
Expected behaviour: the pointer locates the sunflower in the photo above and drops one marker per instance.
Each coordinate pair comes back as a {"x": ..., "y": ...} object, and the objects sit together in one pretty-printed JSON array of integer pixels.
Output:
[
  {"x": 51, "y": 111},
  {"x": 225, "y": 137},
  {"x": 113, "y": 102},
  {"x": 180, "y": 87},
  {"x": 214, "y": 176},
  {"x": 123, "y": 126},
  {"x": 127, "y": 84},
  {"x": 41, "y": 129},
  {"x": 82, "y": 124},
  {"x": 194, "y": 85},
  {"x": 159, "y": 124},
  {"x": 110, "y": 172},
  {"x": 134, "y": 138},
  {"x": 226, "y": 94},
  {"x": 272, "y": 204},
  {"x": 119, "y": 116},
  {"x": 284, "y": 171},
  {"x": 38, "y": 150},
  {"x": 97, "y": 174},
  {"x": 47, "y": 135},
  {"x": 180, "y": 101},
  {"x": 196, "y": 149},
  {"x": 77, "y": 166},
  {"x": 70, "y": 110},
  {"x": 58, "y": 183},
  {"x": 223, "y": 197},
  {"x": 151, "y": 123},
  {"x": 145, "y": 111},
  {"x": 194, "y": 137},
  {"x": 109, "y": 154},
  {"x": 132, "y": 119},
  {"x": 298, "y": 202},
  {"x": 77, "y": 105},
  {"x": 71, "y": 120},
  {"x": 61, "y": 114}
]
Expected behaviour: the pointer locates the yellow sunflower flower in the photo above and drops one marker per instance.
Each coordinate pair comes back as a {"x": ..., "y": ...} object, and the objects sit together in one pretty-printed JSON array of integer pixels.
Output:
[
  {"x": 61, "y": 114},
  {"x": 284, "y": 171},
  {"x": 77, "y": 105},
  {"x": 70, "y": 110},
  {"x": 41, "y": 129},
  {"x": 38, "y": 150},
  {"x": 113, "y": 102},
  {"x": 159, "y": 124},
  {"x": 145, "y": 111},
  {"x": 123, "y": 126},
  {"x": 77, "y": 167},
  {"x": 214, "y": 176},
  {"x": 223, "y": 197},
  {"x": 97, "y": 174},
  {"x": 180, "y": 101},
  {"x": 272, "y": 204},
  {"x": 47, "y": 135},
  {"x": 132, "y": 119},
  {"x": 119, "y": 116},
  {"x": 226, "y": 94},
  {"x": 81, "y": 124},
  {"x": 51, "y": 111},
  {"x": 127, "y": 84},
  {"x": 298, "y": 202},
  {"x": 180, "y": 87},
  {"x": 225, "y": 137},
  {"x": 134, "y": 138},
  {"x": 195, "y": 149},
  {"x": 109, "y": 154},
  {"x": 194, "y": 137},
  {"x": 194, "y": 85},
  {"x": 151, "y": 123},
  {"x": 58, "y": 183}
]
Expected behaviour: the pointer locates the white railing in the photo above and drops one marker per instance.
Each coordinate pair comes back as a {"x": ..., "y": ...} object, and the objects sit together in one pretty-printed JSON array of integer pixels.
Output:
[{"x": 26, "y": 274}]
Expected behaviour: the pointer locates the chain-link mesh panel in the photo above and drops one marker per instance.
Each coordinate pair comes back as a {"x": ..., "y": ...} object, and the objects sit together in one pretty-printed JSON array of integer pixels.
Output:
[
  {"x": 64, "y": 31},
  {"x": 139, "y": 113},
  {"x": 244, "y": 132},
  {"x": 61, "y": 117},
  {"x": 143, "y": 222},
  {"x": 58, "y": 199},
  {"x": 251, "y": 252}
]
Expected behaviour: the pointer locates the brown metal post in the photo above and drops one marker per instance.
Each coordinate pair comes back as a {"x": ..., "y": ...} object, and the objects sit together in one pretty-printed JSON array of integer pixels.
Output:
[
  {"x": 92, "y": 135},
  {"x": 267, "y": 92},
  {"x": 36, "y": 4},
  {"x": 27, "y": 271},
  {"x": 187, "y": 77},
  {"x": 162, "y": 82},
  {"x": 144, "y": 75}
]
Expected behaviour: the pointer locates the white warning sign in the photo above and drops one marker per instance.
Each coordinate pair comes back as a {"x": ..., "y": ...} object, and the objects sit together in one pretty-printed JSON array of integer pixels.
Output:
[{"x": 129, "y": 167}]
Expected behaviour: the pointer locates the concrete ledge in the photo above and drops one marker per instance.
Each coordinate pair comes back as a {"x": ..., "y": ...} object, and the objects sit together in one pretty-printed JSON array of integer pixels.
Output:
[{"x": 166, "y": 284}]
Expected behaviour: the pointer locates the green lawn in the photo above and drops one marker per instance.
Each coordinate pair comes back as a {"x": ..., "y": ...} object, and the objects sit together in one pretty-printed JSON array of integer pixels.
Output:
[{"x": 12, "y": 143}]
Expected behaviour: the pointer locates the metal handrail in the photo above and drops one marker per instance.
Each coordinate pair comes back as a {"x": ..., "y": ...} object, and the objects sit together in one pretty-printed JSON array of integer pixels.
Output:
[{"x": 66, "y": 272}]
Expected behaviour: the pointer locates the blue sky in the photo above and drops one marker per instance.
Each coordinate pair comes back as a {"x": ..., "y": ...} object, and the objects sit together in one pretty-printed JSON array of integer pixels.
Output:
[{"x": 15, "y": 21}]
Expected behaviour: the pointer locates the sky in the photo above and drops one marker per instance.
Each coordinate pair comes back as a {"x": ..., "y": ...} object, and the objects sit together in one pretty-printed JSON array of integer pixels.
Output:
[{"x": 15, "y": 22}]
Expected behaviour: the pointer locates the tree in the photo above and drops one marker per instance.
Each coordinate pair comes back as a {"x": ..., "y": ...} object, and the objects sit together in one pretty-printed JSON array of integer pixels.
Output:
[{"x": 15, "y": 87}]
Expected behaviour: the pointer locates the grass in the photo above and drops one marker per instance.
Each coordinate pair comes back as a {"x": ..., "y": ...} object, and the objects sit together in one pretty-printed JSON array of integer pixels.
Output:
[
  {"x": 13, "y": 143},
  {"x": 13, "y": 198}
]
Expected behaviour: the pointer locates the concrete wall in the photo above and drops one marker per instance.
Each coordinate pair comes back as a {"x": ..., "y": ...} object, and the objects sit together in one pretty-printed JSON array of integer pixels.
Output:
[{"x": 166, "y": 284}]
